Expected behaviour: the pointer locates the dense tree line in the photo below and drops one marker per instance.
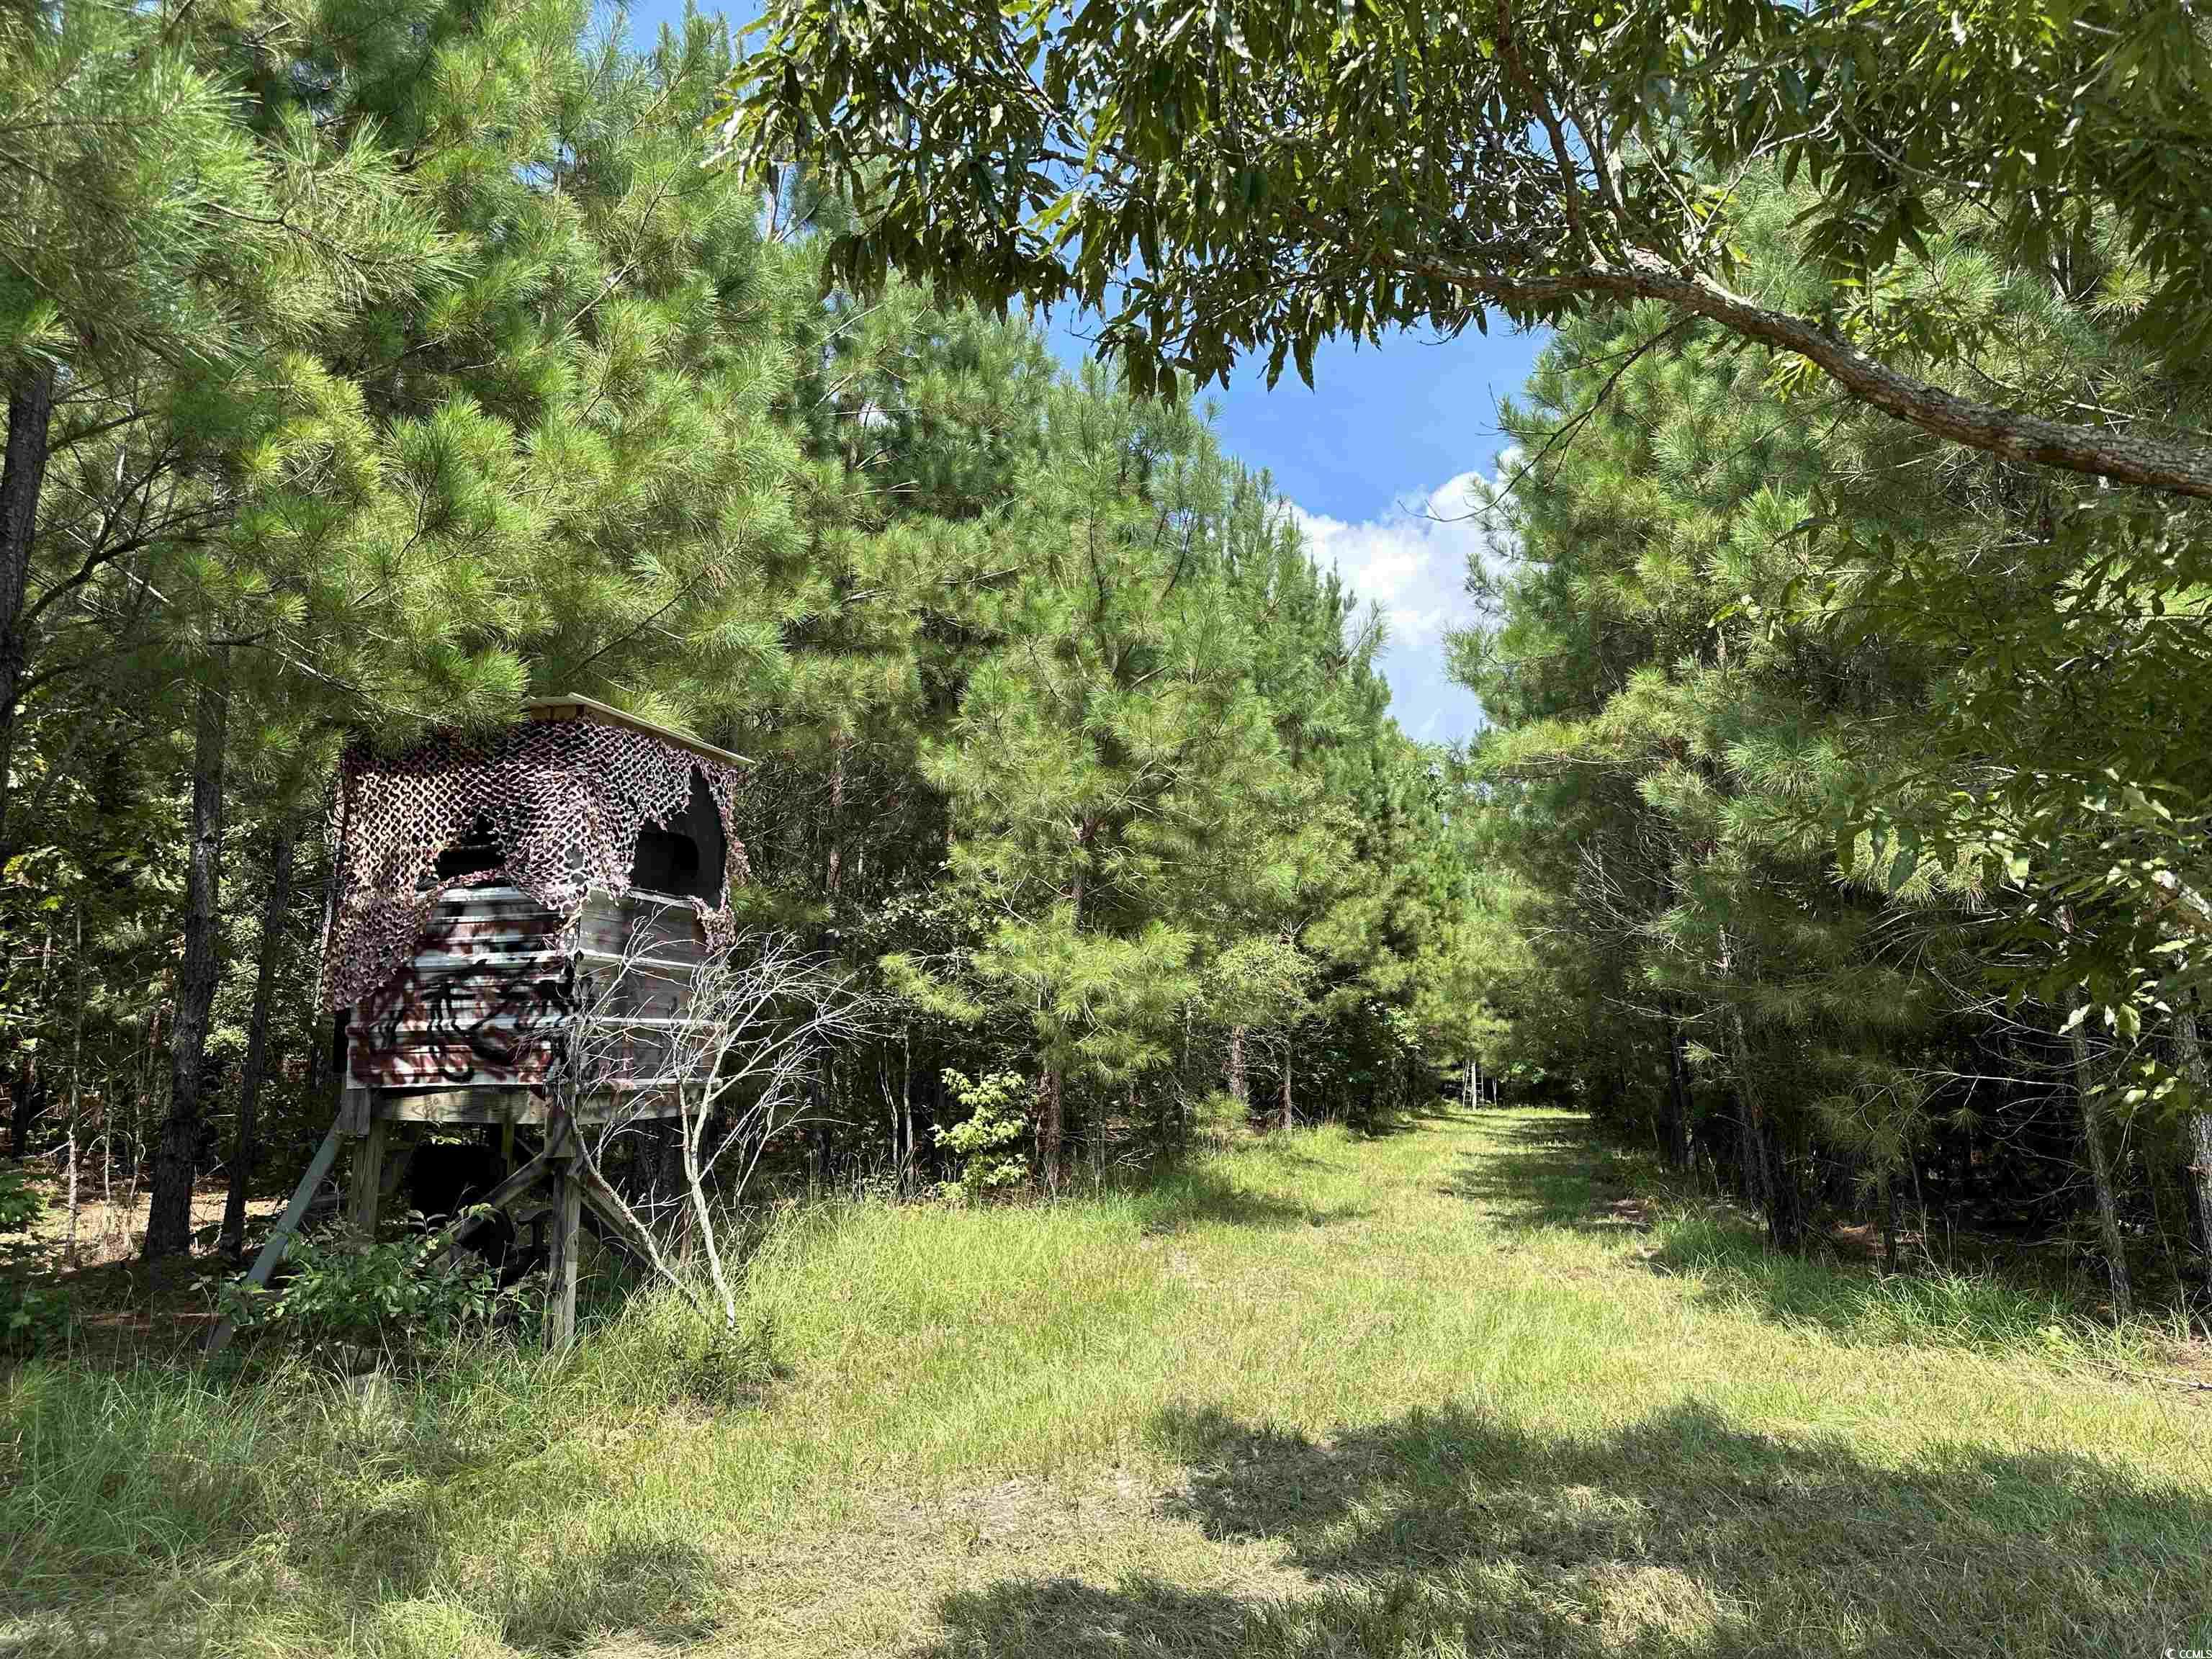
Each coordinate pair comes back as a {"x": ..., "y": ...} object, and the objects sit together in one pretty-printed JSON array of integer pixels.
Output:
[
  {"x": 1841, "y": 824},
  {"x": 1855, "y": 784},
  {"x": 374, "y": 366}
]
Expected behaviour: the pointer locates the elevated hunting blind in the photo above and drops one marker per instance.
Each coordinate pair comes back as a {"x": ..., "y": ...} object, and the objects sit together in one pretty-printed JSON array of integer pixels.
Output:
[
  {"x": 483, "y": 883},
  {"x": 492, "y": 895}
]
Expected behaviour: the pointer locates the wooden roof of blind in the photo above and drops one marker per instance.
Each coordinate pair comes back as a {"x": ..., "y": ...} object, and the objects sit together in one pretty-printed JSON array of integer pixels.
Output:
[{"x": 572, "y": 706}]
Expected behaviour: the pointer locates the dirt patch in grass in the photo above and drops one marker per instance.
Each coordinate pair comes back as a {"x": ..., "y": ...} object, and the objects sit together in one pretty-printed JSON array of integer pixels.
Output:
[
  {"x": 883, "y": 1579},
  {"x": 1631, "y": 1212},
  {"x": 111, "y": 1228}
]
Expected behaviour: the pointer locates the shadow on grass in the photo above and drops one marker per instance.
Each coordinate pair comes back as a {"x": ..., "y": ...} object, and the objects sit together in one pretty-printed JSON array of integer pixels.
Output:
[
  {"x": 1196, "y": 1195},
  {"x": 1451, "y": 1532},
  {"x": 1561, "y": 1173},
  {"x": 1556, "y": 1171},
  {"x": 1731, "y": 1261},
  {"x": 379, "y": 1572},
  {"x": 1403, "y": 1120},
  {"x": 168, "y": 1512}
]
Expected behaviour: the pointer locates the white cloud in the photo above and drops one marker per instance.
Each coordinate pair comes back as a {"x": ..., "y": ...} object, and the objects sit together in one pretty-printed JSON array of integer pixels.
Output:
[
  {"x": 1412, "y": 563},
  {"x": 1413, "y": 560}
]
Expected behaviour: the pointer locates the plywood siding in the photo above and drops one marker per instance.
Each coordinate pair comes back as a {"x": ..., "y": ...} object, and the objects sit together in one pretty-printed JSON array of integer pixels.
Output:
[{"x": 493, "y": 986}]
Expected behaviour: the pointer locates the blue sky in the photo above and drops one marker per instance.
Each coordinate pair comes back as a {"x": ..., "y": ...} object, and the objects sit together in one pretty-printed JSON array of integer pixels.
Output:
[
  {"x": 1388, "y": 437},
  {"x": 1376, "y": 460}
]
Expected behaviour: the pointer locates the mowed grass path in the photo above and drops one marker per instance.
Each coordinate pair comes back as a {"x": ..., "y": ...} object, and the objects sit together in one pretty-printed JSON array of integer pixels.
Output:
[{"x": 1440, "y": 1392}]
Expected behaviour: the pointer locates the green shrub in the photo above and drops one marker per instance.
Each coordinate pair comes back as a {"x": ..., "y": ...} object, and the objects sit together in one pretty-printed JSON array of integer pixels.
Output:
[
  {"x": 31, "y": 1313},
  {"x": 20, "y": 1202},
  {"x": 1220, "y": 1121},
  {"x": 988, "y": 1140},
  {"x": 344, "y": 1300}
]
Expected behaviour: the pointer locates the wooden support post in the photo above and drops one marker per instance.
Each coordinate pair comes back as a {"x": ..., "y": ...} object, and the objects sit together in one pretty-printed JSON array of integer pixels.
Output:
[
  {"x": 280, "y": 1239},
  {"x": 399, "y": 1153},
  {"x": 365, "y": 1186},
  {"x": 568, "y": 1192},
  {"x": 499, "y": 1198}
]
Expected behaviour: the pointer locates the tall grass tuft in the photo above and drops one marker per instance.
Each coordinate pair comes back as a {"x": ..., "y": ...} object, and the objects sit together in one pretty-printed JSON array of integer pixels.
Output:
[{"x": 1980, "y": 1310}]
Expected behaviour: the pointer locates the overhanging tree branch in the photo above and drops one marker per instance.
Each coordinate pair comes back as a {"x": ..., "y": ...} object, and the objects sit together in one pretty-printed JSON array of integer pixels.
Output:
[
  {"x": 1401, "y": 167},
  {"x": 2123, "y": 457}
]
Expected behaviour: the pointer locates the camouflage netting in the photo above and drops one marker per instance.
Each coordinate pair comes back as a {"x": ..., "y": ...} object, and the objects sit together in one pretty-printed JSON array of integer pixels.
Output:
[{"x": 566, "y": 800}]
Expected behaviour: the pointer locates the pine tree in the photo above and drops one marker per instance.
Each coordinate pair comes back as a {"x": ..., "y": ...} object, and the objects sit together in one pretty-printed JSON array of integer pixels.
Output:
[
  {"x": 563, "y": 466},
  {"x": 1099, "y": 758},
  {"x": 168, "y": 256},
  {"x": 111, "y": 232},
  {"x": 1688, "y": 764},
  {"x": 158, "y": 252},
  {"x": 1798, "y": 755}
]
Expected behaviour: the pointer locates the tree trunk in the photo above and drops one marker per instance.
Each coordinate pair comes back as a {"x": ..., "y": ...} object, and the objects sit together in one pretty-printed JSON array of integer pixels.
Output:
[
  {"x": 1889, "y": 1223},
  {"x": 22, "y": 477},
  {"x": 27, "y": 1096},
  {"x": 2100, "y": 1177},
  {"x": 1752, "y": 1146},
  {"x": 68, "y": 1235},
  {"x": 1239, "y": 1088},
  {"x": 27, "y": 1101},
  {"x": 1785, "y": 1208},
  {"x": 2197, "y": 1127},
  {"x": 1049, "y": 1124},
  {"x": 1678, "y": 1096},
  {"x": 76, "y": 1094},
  {"x": 833, "y": 871},
  {"x": 1766, "y": 1173},
  {"x": 326, "y": 1049},
  {"x": 903, "y": 1134},
  {"x": 1750, "y": 1159},
  {"x": 1290, "y": 1118},
  {"x": 169, "y": 1220},
  {"x": 256, "y": 1040}
]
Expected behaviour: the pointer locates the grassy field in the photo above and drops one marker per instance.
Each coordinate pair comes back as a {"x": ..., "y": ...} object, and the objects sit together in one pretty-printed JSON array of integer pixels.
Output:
[{"x": 1460, "y": 1389}]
